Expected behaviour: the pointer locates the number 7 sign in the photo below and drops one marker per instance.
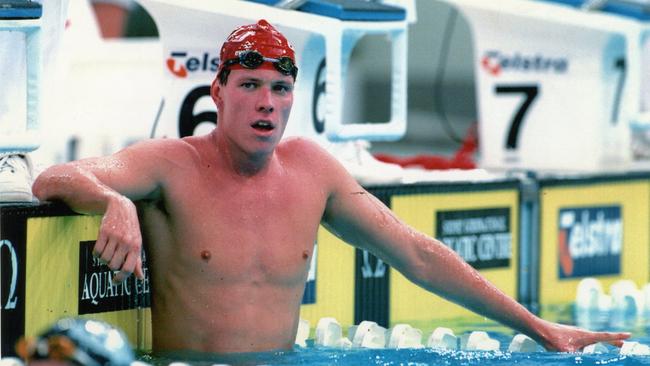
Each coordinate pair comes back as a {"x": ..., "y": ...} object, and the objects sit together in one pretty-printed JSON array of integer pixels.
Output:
[
  {"x": 553, "y": 86},
  {"x": 530, "y": 93}
]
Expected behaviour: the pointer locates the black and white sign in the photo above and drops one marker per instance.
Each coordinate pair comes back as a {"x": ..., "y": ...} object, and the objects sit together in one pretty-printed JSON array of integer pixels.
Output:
[
  {"x": 481, "y": 237},
  {"x": 97, "y": 292}
]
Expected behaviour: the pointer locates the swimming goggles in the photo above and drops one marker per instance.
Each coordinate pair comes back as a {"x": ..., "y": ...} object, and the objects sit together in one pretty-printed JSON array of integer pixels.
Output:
[
  {"x": 253, "y": 60},
  {"x": 56, "y": 347}
]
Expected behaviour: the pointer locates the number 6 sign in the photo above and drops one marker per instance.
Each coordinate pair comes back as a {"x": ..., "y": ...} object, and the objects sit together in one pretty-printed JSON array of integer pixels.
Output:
[{"x": 191, "y": 32}]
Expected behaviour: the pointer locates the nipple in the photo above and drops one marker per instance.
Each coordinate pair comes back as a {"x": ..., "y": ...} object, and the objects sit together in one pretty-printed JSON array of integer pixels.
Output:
[{"x": 206, "y": 255}]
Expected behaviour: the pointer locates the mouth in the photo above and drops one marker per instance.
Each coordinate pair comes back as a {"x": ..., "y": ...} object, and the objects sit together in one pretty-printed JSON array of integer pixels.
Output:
[{"x": 263, "y": 125}]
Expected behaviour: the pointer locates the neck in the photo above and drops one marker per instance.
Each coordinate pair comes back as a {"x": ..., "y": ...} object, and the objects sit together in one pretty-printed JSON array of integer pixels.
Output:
[{"x": 238, "y": 161}]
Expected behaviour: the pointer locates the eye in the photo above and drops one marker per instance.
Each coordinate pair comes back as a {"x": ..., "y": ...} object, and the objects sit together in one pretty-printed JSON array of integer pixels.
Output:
[
  {"x": 249, "y": 85},
  {"x": 282, "y": 88}
]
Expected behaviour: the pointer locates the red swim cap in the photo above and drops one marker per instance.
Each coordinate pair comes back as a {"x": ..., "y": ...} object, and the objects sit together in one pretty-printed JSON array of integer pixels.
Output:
[{"x": 261, "y": 37}]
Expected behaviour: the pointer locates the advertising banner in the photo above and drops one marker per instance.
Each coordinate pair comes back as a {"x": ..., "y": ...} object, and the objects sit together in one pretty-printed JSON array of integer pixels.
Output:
[
  {"x": 97, "y": 292},
  {"x": 590, "y": 241},
  {"x": 480, "y": 223},
  {"x": 481, "y": 237},
  {"x": 12, "y": 281},
  {"x": 592, "y": 227}
]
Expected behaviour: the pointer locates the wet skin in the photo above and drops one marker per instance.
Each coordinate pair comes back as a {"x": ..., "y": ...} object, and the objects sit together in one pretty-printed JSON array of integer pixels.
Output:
[{"x": 230, "y": 219}]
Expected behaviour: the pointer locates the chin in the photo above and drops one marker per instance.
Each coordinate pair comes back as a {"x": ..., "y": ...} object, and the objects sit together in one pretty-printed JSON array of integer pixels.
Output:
[{"x": 263, "y": 150}]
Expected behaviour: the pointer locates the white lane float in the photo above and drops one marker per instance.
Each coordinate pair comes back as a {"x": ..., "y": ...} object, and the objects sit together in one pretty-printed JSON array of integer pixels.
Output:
[
  {"x": 478, "y": 340},
  {"x": 635, "y": 349},
  {"x": 522, "y": 343},
  {"x": 404, "y": 336},
  {"x": 443, "y": 338},
  {"x": 330, "y": 334},
  {"x": 367, "y": 334},
  {"x": 303, "y": 333},
  {"x": 596, "y": 348}
]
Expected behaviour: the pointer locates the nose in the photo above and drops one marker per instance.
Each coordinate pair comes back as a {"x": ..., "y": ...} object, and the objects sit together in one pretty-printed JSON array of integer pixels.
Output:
[{"x": 265, "y": 101}]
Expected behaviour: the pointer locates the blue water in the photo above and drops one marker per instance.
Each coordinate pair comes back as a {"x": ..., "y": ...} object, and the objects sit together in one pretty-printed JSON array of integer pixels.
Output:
[
  {"x": 319, "y": 356},
  {"x": 313, "y": 355},
  {"x": 323, "y": 356}
]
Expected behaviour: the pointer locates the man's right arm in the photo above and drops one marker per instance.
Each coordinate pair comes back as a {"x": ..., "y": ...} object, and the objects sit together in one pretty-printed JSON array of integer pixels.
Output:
[{"x": 107, "y": 186}]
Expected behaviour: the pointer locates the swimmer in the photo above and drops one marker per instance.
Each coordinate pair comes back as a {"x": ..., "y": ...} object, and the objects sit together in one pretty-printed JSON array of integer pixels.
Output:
[
  {"x": 230, "y": 219},
  {"x": 76, "y": 341}
]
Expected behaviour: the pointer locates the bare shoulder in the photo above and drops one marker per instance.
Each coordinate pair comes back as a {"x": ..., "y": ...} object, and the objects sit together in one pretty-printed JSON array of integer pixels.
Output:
[
  {"x": 160, "y": 152},
  {"x": 309, "y": 156},
  {"x": 298, "y": 142},
  {"x": 162, "y": 145},
  {"x": 305, "y": 151}
]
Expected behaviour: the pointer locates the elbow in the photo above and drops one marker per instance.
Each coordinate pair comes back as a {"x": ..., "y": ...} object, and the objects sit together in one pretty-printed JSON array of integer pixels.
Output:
[
  {"x": 42, "y": 186},
  {"x": 39, "y": 188},
  {"x": 419, "y": 272},
  {"x": 429, "y": 262}
]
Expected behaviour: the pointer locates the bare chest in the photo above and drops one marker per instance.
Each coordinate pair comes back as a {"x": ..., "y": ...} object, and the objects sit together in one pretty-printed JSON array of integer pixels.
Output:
[{"x": 223, "y": 231}]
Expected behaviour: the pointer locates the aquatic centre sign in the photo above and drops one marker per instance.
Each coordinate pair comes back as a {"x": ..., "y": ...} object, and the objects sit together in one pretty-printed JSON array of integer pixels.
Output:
[
  {"x": 481, "y": 237},
  {"x": 98, "y": 293}
]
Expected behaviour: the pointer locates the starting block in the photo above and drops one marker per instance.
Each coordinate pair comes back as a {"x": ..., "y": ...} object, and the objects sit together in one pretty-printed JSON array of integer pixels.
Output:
[
  {"x": 191, "y": 32},
  {"x": 25, "y": 17},
  {"x": 343, "y": 9},
  {"x": 558, "y": 87}
]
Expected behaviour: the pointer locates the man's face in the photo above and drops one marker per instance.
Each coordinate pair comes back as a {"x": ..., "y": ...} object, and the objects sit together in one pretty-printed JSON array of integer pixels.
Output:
[{"x": 254, "y": 108}]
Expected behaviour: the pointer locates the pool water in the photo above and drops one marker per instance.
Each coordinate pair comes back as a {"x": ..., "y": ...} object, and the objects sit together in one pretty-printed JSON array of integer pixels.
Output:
[
  {"x": 427, "y": 356},
  {"x": 315, "y": 355}
]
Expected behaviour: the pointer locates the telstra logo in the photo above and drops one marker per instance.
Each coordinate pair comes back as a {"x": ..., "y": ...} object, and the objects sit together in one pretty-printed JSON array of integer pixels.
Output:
[
  {"x": 181, "y": 64},
  {"x": 495, "y": 62}
]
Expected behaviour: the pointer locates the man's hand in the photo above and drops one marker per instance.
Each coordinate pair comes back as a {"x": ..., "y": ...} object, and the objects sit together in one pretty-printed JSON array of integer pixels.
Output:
[
  {"x": 119, "y": 242},
  {"x": 565, "y": 338}
]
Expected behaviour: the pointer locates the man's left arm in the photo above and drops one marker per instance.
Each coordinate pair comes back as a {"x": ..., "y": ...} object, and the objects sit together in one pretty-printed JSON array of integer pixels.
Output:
[{"x": 365, "y": 222}]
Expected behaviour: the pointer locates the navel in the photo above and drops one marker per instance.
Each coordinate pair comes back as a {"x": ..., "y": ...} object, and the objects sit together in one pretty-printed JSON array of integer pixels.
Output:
[
  {"x": 206, "y": 255},
  {"x": 305, "y": 254}
]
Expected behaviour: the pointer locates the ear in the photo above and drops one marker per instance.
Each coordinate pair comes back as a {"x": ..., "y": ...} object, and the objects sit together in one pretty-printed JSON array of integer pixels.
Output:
[{"x": 215, "y": 90}]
